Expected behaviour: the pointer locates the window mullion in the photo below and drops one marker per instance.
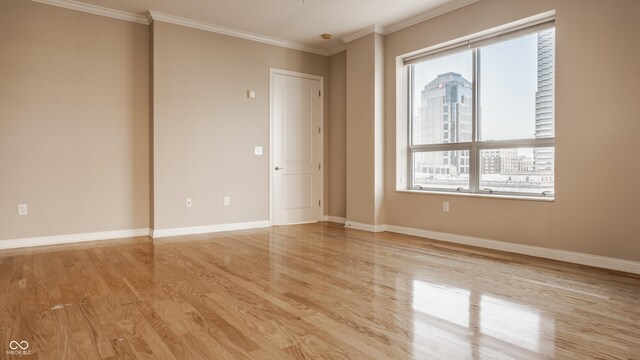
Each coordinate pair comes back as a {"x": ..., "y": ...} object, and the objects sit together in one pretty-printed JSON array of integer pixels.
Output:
[
  {"x": 409, "y": 181},
  {"x": 441, "y": 147},
  {"x": 474, "y": 154},
  {"x": 519, "y": 143}
]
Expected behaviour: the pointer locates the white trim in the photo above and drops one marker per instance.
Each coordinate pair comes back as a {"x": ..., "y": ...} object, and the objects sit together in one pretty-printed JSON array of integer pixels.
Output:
[
  {"x": 554, "y": 254},
  {"x": 484, "y": 34},
  {"x": 335, "y": 219},
  {"x": 172, "y": 19},
  {"x": 427, "y": 15},
  {"x": 272, "y": 72},
  {"x": 177, "y": 20},
  {"x": 160, "y": 233},
  {"x": 71, "y": 238},
  {"x": 340, "y": 48},
  {"x": 478, "y": 195},
  {"x": 297, "y": 74},
  {"x": 373, "y": 28},
  {"x": 96, "y": 10},
  {"x": 365, "y": 227},
  {"x": 440, "y": 10}
]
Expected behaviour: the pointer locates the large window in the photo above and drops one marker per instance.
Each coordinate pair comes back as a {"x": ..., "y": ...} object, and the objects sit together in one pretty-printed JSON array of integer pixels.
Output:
[{"x": 482, "y": 115}]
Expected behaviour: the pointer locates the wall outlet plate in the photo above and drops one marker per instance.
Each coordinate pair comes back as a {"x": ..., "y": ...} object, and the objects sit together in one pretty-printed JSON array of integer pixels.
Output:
[
  {"x": 258, "y": 150},
  {"x": 188, "y": 202},
  {"x": 226, "y": 201},
  {"x": 22, "y": 209}
]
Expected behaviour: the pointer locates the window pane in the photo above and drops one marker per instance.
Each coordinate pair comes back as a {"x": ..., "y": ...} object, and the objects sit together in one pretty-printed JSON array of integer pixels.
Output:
[
  {"x": 517, "y": 88},
  {"x": 442, "y": 102},
  {"x": 525, "y": 170},
  {"x": 441, "y": 169}
]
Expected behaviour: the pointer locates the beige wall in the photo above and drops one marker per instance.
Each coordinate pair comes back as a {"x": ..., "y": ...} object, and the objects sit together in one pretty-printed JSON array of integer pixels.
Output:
[
  {"x": 75, "y": 138},
  {"x": 73, "y": 121},
  {"x": 337, "y": 169},
  {"x": 365, "y": 130},
  {"x": 597, "y": 127},
  {"x": 360, "y": 129},
  {"x": 379, "y": 138},
  {"x": 205, "y": 128}
]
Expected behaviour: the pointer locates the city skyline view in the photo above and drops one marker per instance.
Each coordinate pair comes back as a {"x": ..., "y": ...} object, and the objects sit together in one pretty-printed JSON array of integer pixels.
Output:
[
  {"x": 516, "y": 90},
  {"x": 504, "y": 65}
]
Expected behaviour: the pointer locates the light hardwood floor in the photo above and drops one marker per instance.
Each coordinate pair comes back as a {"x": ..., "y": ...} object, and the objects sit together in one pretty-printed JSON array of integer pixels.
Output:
[{"x": 310, "y": 292}]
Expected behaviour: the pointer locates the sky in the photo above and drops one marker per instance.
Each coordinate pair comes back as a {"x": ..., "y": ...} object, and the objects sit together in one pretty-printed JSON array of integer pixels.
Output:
[{"x": 508, "y": 85}]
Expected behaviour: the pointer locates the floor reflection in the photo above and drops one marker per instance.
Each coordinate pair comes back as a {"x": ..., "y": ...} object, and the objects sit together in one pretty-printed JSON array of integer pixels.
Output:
[
  {"x": 477, "y": 326},
  {"x": 444, "y": 302},
  {"x": 516, "y": 324}
]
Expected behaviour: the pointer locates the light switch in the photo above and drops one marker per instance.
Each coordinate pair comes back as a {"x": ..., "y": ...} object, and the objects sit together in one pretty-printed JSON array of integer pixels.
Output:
[
  {"x": 251, "y": 94},
  {"x": 258, "y": 150}
]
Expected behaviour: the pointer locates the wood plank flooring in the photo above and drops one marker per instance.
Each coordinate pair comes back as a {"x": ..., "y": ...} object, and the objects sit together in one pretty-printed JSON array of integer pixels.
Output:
[{"x": 315, "y": 291}]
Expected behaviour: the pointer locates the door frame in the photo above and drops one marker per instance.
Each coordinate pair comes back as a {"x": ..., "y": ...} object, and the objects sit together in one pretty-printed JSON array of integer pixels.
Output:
[{"x": 272, "y": 73}]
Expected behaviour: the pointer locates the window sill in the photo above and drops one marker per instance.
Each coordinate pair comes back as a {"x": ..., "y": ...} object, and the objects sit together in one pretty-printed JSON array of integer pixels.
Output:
[{"x": 487, "y": 196}]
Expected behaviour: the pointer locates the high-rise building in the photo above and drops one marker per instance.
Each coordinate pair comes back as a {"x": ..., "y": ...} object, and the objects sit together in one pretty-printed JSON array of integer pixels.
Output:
[
  {"x": 545, "y": 99},
  {"x": 445, "y": 116}
]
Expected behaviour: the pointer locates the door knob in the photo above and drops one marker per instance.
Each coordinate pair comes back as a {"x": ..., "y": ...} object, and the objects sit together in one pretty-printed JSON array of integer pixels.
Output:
[{"x": 279, "y": 168}]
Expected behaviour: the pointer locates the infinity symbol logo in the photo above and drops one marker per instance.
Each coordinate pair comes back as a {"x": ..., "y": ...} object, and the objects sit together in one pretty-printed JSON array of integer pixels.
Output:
[{"x": 14, "y": 345}]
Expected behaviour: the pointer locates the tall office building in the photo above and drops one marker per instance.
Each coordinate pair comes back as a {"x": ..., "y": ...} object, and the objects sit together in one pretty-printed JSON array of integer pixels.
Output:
[
  {"x": 545, "y": 103},
  {"x": 445, "y": 117}
]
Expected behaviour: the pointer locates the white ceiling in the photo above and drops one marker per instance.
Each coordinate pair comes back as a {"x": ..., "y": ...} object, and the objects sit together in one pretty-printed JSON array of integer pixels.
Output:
[{"x": 298, "y": 21}]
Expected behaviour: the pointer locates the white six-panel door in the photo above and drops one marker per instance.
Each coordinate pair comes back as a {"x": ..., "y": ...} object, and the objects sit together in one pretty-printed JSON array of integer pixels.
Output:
[{"x": 296, "y": 105}]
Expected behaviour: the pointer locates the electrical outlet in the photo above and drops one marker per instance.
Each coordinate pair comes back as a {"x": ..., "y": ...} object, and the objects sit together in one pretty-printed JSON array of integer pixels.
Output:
[
  {"x": 258, "y": 150},
  {"x": 188, "y": 202},
  {"x": 227, "y": 201},
  {"x": 22, "y": 209},
  {"x": 445, "y": 206}
]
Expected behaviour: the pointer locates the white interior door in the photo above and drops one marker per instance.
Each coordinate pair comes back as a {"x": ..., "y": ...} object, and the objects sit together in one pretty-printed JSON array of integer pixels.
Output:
[{"x": 296, "y": 105}]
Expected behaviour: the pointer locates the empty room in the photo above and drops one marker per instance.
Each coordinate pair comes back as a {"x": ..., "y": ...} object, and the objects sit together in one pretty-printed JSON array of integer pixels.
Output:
[{"x": 319, "y": 179}]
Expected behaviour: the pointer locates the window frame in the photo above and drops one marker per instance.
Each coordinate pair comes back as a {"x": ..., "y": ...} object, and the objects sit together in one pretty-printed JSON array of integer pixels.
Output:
[{"x": 475, "y": 146}]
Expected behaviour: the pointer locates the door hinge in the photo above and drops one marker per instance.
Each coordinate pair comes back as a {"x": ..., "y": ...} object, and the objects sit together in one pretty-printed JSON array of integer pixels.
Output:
[
  {"x": 319, "y": 93},
  {"x": 319, "y": 202},
  {"x": 319, "y": 166},
  {"x": 319, "y": 130}
]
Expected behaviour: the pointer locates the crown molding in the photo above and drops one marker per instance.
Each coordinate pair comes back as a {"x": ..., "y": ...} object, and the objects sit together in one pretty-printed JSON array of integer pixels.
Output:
[
  {"x": 158, "y": 16},
  {"x": 337, "y": 49},
  {"x": 96, "y": 10},
  {"x": 362, "y": 33},
  {"x": 386, "y": 30},
  {"x": 176, "y": 20},
  {"x": 440, "y": 10}
]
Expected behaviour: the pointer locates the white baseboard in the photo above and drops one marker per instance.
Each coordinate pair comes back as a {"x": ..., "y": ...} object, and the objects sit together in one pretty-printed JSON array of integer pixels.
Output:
[
  {"x": 365, "y": 227},
  {"x": 335, "y": 219},
  {"x": 561, "y": 255},
  {"x": 71, "y": 238},
  {"x": 159, "y": 233},
  {"x": 554, "y": 254}
]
